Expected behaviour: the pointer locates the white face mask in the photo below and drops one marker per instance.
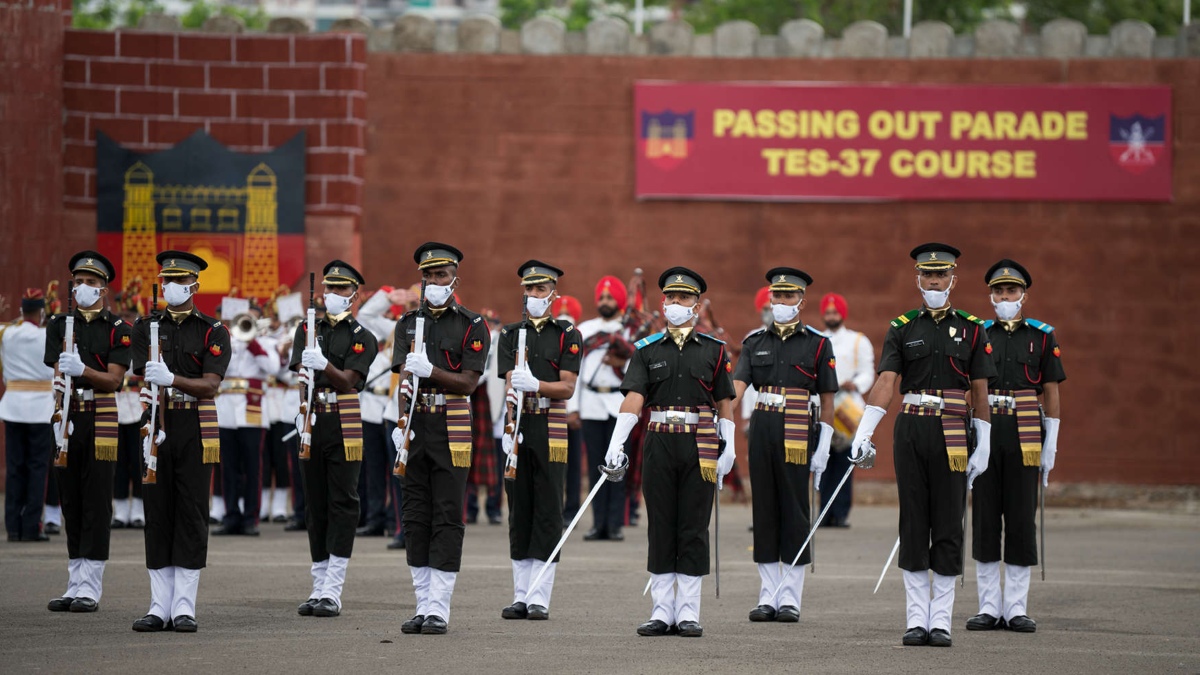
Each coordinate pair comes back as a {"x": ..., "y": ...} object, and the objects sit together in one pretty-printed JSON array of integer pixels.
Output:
[
  {"x": 438, "y": 295},
  {"x": 935, "y": 299},
  {"x": 537, "y": 307},
  {"x": 336, "y": 304},
  {"x": 678, "y": 315},
  {"x": 86, "y": 296},
  {"x": 784, "y": 313},
  {"x": 1007, "y": 311},
  {"x": 176, "y": 294}
]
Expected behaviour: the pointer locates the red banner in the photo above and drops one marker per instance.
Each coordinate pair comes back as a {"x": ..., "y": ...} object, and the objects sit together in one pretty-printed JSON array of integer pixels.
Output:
[{"x": 821, "y": 142}]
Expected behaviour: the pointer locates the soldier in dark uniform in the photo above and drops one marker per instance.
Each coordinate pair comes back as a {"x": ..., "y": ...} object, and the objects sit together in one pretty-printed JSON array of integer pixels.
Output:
[
  {"x": 792, "y": 368},
  {"x": 439, "y": 459},
  {"x": 683, "y": 376},
  {"x": 943, "y": 360},
  {"x": 339, "y": 364},
  {"x": 194, "y": 354},
  {"x": 1028, "y": 364},
  {"x": 543, "y": 385},
  {"x": 97, "y": 369}
]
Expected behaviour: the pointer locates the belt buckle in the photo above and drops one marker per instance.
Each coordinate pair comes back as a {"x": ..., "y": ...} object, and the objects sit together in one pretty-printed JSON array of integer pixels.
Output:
[
  {"x": 674, "y": 417},
  {"x": 78, "y": 393},
  {"x": 174, "y": 394},
  {"x": 322, "y": 398},
  {"x": 774, "y": 400},
  {"x": 928, "y": 401},
  {"x": 427, "y": 400}
]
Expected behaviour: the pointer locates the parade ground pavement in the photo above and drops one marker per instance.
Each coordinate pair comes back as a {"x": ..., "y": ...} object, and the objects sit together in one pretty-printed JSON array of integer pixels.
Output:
[{"x": 1121, "y": 595}]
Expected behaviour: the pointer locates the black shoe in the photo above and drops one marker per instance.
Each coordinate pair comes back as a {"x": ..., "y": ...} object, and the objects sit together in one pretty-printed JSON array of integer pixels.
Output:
[
  {"x": 984, "y": 622},
  {"x": 396, "y": 543},
  {"x": 369, "y": 531},
  {"x": 538, "y": 613},
  {"x": 939, "y": 637},
  {"x": 226, "y": 530},
  {"x": 434, "y": 625},
  {"x": 279, "y": 519},
  {"x": 117, "y": 524},
  {"x": 185, "y": 624},
  {"x": 1021, "y": 624},
  {"x": 595, "y": 534},
  {"x": 763, "y": 613},
  {"x": 690, "y": 629},
  {"x": 915, "y": 637},
  {"x": 84, "y": 605},
  {"x": 616, "y": 535},
  {"x": 306, "y": 607},
  {"x": 150, "y": 624},
  {"x": 295, "y": 525},
  {"x": 60, "y": 604},
  {"x": 654, "y": 628},
  {"x": 40, "y": 536},
  {"x": 326, "y": 607},
  {"x": 213, "y": 521},
  {"x": 413, "y": 625},
  {"x": 137, "y": 523},
  {"x": 788, "y": 614},
  {"x": 51, "y": 528},
  {"x": 251, "y": 531},
  {"x": 494, "y": 520},
  {"x": 517, "y": 610}
]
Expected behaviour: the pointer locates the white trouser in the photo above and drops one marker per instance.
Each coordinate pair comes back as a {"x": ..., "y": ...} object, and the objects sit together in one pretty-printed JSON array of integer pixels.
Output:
[
  {"x": 662, "y": 592},
  {"x": 421, "y": 581},
  {"x": 687, "y": 598},
  {"x": 541, "y": 594},
  {"x": 217, "y": 510},
  {"x": 279, "y": 502},
  {"x": 335, "y": 578},
  {"x": 137, "y": 511},
  {"x": 52, "y": 515},
  {"x": 88, "y": 578},
  {"x": 1016, "y": 591},
  {"x": 987, "y": 579},
  {"x": 187, "y": 582},
  {"x": 73, "y": 577},
  {"x": 264, "y": 505},
  {"x": 916, "y": 593},
  {"x": 768, "y": 574},
  {"x": 121, "y": 510},
  {"x": 318, "y": 579},
  {"x": 793, "y": 587},
  {"x": 521, "y": 572},
  {"x": 162, "y": 592},
  {"x": 441, "y": 589},
  {"x": 942, "y": 604}
]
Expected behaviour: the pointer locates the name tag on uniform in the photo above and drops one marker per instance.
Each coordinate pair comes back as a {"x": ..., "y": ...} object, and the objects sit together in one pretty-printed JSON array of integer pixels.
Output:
[
  {"x": 762, "y": 353},
  {"x": 412, "y": 331},
  {"x": 914, "y": 343},
  {"x": 660, "y": 364}
]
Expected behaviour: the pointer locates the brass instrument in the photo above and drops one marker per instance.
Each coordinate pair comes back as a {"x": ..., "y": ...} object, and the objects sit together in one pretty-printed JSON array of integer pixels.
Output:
[{"x": 243, "y": 328}]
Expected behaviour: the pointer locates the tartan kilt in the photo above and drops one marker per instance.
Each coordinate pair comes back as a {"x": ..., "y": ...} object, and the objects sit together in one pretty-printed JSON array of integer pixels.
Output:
[{"x": 483, "y": 446}]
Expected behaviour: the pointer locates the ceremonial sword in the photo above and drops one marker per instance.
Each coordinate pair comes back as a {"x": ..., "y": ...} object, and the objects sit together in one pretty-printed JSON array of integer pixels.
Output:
[
  {"x": 1042, "y": 522},
  {"x": 816, "y": 524},
  {"x": 886, "y": 565}
]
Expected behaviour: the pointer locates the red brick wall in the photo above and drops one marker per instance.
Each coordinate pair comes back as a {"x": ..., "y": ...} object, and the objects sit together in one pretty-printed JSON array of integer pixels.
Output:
[
  {"x": 513, "y": 157},
  {"x": 251, "y": 92}
]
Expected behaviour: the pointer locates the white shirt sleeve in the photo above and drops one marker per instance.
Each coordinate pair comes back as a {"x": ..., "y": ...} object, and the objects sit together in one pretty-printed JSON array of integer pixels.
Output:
[{"x": 864, "y": 373}]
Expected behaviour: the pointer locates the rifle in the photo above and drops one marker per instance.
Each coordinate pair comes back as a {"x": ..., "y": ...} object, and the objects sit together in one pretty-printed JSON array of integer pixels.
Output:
[
  {"x": 513, "y": 428},
  {"x": 310, "y": 342},
  {"x": 151, "y": 437},
  {"x": 62, "y": 402},
  {"x": 415, "y": 347}
]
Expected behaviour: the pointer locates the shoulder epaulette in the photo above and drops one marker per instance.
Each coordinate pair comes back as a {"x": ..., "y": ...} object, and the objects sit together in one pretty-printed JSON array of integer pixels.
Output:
[
  {"x": 905, "y": 318},
  {"x": 754, "y": 332},
  {"x": 819, "y": 332},
  {"x": 987, "y": 325},
  {"x": 650, "y": 339},
  {"x": 969, "y": 316},
  {"x": 466, "y": 312},
  {"x": 357, "y": 329},
  {"x": 567, "y": 326},
  {"x": 216, "y": 324},
  {"x": 1040, "y": 325},
  {"x": 710, "y": 337}
]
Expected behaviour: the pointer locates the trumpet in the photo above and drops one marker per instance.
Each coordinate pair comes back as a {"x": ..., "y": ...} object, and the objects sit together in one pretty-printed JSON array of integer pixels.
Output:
[{"x": 243, "y": 328}]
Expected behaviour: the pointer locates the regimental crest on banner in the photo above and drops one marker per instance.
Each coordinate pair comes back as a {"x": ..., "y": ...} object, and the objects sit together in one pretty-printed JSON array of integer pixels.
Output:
[
  {"x": 667, "y": 136},
  {"x": 1136, "y": 143}
]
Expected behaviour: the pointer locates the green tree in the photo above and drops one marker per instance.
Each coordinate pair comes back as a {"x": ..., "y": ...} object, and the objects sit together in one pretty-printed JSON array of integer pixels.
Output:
[
  {"x": 201, "y": 10},
  {"x": 107, "y": 14},
  {"x": 835, "y": 15},
  {"x": 1101, "y": 15}
]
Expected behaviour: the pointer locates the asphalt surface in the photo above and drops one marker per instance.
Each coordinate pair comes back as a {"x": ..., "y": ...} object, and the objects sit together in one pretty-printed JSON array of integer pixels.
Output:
[{"x": 1121, "y": 595}]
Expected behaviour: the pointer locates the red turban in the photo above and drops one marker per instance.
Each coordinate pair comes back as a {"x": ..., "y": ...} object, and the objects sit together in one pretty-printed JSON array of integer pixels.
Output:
[
  {"x": 614, "y": 286},
  {"x": 566, "y": 304},
  {"x": 762, "y": 298},
  {"x": 836, "y": 302}
]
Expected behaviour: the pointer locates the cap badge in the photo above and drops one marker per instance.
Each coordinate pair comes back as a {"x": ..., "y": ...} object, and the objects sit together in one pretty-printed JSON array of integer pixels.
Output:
[
  {"x": 428, "y": 255},
  {"x": 933, "y": 255},
  {"x": 780, "y": 280},
  {"x": 170, "y": 263},
  {"x": 89, "y": 261},
  {"x": 679, "y": 278},
  {"x": 1006, "y": 272},
  {"x": 335, "y": 271}
]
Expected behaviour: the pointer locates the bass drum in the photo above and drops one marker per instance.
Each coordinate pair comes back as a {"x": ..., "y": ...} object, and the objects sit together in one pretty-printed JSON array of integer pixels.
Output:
[{"x": 847, "y": 412}]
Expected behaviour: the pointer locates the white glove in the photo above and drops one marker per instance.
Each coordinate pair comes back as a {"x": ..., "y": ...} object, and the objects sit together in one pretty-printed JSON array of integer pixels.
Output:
[
  {"x": 158, "y": 373},
  {"x": 507, "y": 442},
  {"x": 313, "y": 358},
  {"x": 871, "y": 417},
  {"x": 58, "y": 429},
  {"x": 1049, "y": 449},
  {"x": 398, "y": 437},
  {"x": 616, "y": 454},
  {"x": 983, "y": 451},
  {"x": 59, "y": 385},
  {"x": 726, "y": 429},
  {"x": 523, "y": 380},
  {"x": 69, "y": 363},
  {"x": 418, "y": 364},
  {"x": 820, "y": 458}
]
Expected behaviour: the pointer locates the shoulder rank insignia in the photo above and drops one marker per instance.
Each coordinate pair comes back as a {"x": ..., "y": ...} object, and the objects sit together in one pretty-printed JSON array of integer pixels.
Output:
[
  {"x": 217, "y": 324},
  {"x": 358, "y": 348},
  {"x": 706, "y": 335},
  {"x": 987, "y": 325},
  {"x": 477, "y": 319},
  {"x": 118, "y": 322},
  {"x": 215, "y": 350},
  {"x": 818, "y": 332},
  {"x": 650, "y": 339},
  {"x": 905, "y": 318},
  {"x": 1040, "y": 325},
  {"x": 476, "y": 345},
  {"x": 574, "y": 349},
  {"x": 357, "y": 328},
  {"x": 125, "y": 341},
  {"x": 969, "y": 316}
]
